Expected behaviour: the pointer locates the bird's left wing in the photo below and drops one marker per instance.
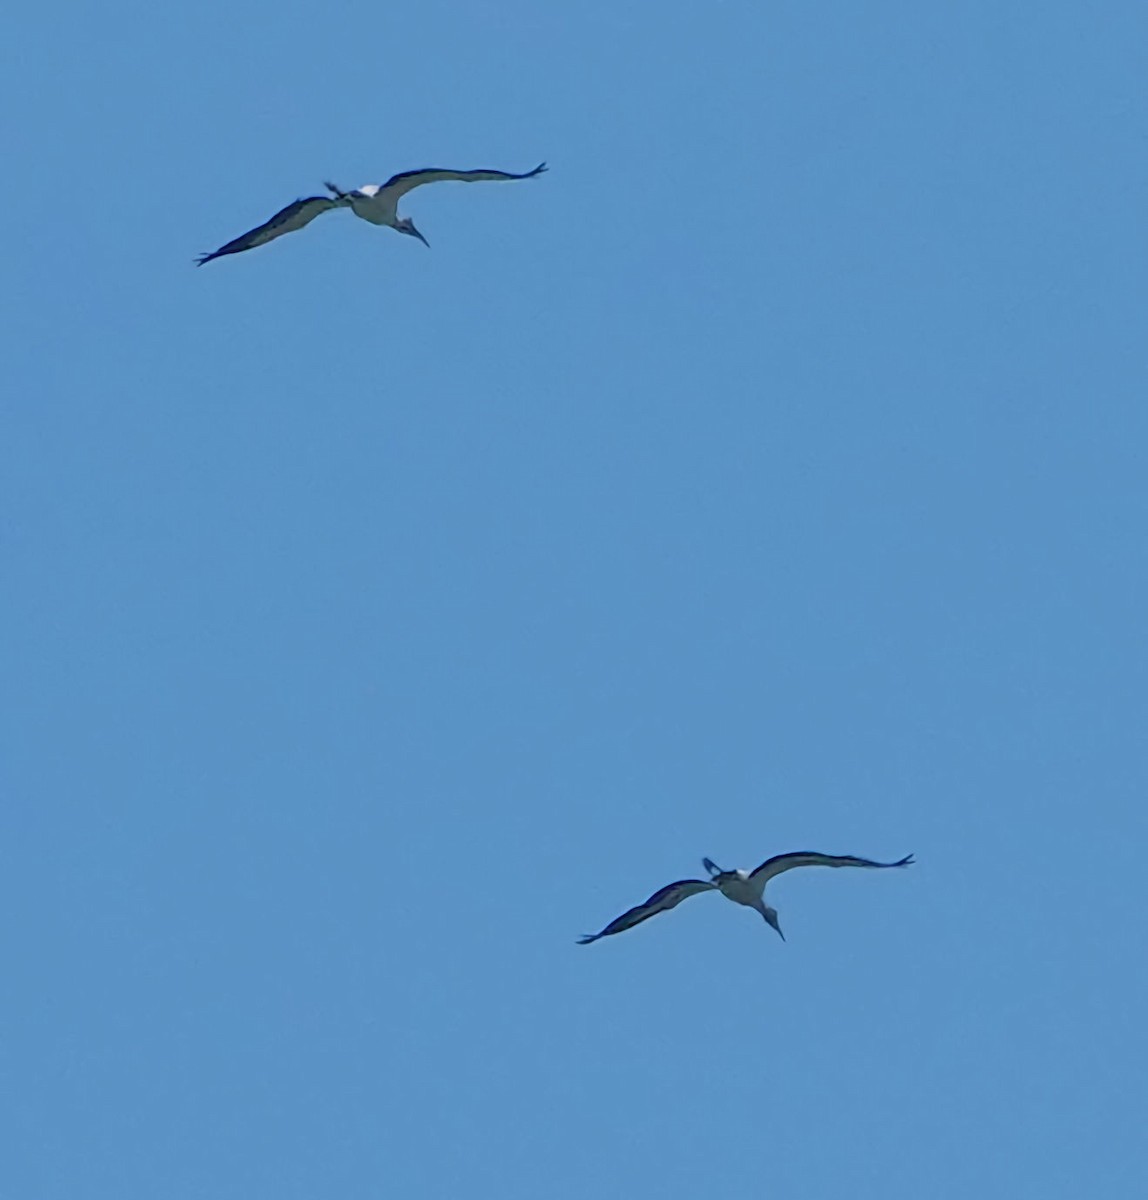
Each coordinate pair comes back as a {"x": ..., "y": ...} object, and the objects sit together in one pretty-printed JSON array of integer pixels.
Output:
[
  {"x": 286, "y": 220},
  {"x": 811, "y": 858},
  {"x": 399, "y": 185},
  {"x": 661, "y": 901}
]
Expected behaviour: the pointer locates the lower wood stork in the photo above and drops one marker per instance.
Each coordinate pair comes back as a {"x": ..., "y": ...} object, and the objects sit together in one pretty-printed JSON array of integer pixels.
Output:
[
  {"x": 742, "y": 887},
  {"x": 377, "y": 203}
]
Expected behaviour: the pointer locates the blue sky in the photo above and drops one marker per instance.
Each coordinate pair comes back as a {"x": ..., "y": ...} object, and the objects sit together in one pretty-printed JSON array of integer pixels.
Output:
[{"x": 376, "y": 620}]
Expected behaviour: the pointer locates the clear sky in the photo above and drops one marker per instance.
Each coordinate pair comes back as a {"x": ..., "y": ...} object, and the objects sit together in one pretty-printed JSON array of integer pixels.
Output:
[{"x": 769, "y": 475}]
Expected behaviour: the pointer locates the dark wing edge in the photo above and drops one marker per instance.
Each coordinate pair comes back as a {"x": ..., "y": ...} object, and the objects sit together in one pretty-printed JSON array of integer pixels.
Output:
[
  {"x": 286, "y": 220},
  {"x": 661, "y": 901},
  {"x": 411, "y": 178},
  {"x": 814, "y": 858}
]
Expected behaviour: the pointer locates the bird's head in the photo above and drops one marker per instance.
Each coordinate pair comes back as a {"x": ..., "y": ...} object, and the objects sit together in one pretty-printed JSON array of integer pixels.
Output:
[
  {"x": 406, "y": 225},
  {"x": 770, "y": 914}
]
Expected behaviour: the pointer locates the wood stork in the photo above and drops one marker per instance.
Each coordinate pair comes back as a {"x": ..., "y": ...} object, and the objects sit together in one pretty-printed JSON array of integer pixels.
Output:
[
  {"x": 377, "y": 203},
  {"x": 742, "y": 887}
]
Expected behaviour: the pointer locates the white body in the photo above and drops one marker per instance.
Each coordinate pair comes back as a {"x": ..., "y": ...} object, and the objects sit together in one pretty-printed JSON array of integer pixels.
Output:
[
  {"x": 739, "y": 887},
  {"x": 373, "y": 204}
]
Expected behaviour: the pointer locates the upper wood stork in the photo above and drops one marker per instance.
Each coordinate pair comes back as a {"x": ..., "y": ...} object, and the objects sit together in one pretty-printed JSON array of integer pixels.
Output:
[
  {"x": 742, "y": 887},
  {"x": 377, "y": 203}
]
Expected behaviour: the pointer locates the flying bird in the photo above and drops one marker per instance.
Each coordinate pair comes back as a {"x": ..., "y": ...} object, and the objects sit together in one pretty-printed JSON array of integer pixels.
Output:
[
  {"x": 377, "y": 203},
  {"x": 742, "y": 887}
]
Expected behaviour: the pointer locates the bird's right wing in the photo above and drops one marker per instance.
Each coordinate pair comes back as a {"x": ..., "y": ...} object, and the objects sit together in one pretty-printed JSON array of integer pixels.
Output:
[
  {"x": 661, "y": 901},
  {"x": 813, "y": 858},
  {"x": 398, "y": 185},
  {"x": 287, "y": 220}
]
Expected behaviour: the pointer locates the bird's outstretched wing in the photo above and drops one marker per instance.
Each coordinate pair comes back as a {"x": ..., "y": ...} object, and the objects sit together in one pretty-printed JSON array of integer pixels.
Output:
[
  {"x": 811, "y": 858},
  {"x": 399, "y": 185},
  {"x": 661, "y": 901},
  {"x": 286, "y": 220}
]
